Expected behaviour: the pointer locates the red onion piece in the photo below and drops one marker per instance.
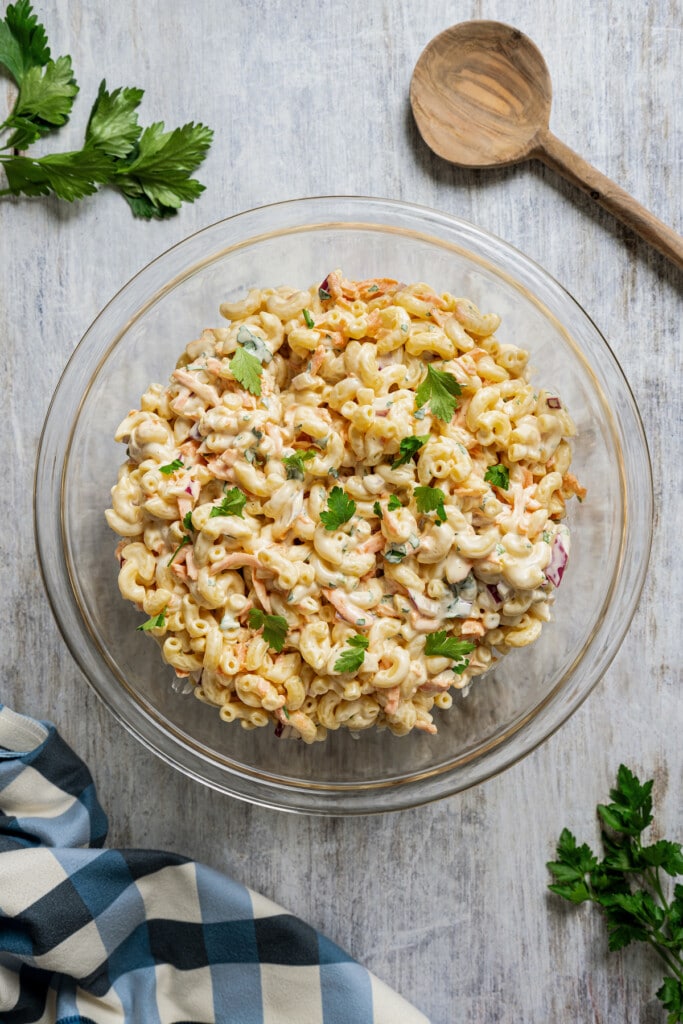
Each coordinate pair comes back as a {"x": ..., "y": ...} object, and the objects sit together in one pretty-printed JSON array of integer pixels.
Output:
[
  {"x": 493, "y": 591},
  {"x": 558, "y": 561},
  {"x": 553, "y": 403}
]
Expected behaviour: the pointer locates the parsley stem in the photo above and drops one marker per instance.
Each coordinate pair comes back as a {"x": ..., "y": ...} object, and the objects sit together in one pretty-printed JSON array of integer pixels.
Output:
[
  {"x": 674, "y": 963},
  {"x": 654, "y": 880}
]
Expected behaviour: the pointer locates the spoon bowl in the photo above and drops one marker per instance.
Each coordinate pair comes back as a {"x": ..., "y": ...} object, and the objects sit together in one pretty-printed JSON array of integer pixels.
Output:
[{"x": 481, "y": 96}]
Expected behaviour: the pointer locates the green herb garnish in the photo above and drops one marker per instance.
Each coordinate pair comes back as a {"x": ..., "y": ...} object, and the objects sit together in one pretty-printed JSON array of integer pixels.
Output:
[
  {"x": 498, "y": 476},
  {"x": 232, "y": 504},
  {"x": 152, "y": 168},
  {"x": 274, "y": 627},
  {"x": 247, "y": 370},
  {"x": 294, "y": 464},
  {"x": 392, "y": 504},
  {"x": 395, "y": 554},
  {"x": 628, "y": 884},
  {"x": 187, "y": 521},
  {"x": 155, "y": 622},
  {"x": 184, "y": 541},
  {"x": 431, "y": 499},
  {"x": 254, "y": 345},
  {"x": 350, "y": 660},
  {"x": 171, "y": 467},
  {"x": 310, "y": 322},
  {"x": 445, "y": 646},
  {"x": 440, "y": 389},
  {"x": 408, "y": 447},
  {"x": 340, "y": 508}
]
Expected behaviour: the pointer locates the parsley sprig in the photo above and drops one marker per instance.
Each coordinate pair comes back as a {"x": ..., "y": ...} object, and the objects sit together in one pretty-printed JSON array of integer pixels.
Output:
[
  {"x": 440, "y": 643},
  {"x": 431, "y": 499},
  {"x": 171, "y": 467},
  {"x": 351, "y": 659},
  {"x": 440, "y": 389},
  {"x": 274, "y": 627},
  {"x": 340, "y": 508},
  {"x": 247, "y": 370},
  {"x": 151, "y": 168},
  {"x": 408, "y": 447},
  {"x": 498, "y": 476},
  {"x": 232, "y": 504},
  {"x": 628, "y": 884}
]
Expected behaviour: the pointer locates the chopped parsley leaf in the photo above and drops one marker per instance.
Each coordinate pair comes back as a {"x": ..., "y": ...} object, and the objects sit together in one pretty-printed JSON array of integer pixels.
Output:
[
  {"x": 351, "y": 659},
  {"x": 441, "y": 645},
  {"x": 340, "y": 508},
  {"x": 247, "y": 370},
  {"x": 431, "y": 499},
  {"x": 440, "y": 389},
  {"x": 498, "y": 476},
  {"x": 232, "y": 504},
  {"x": 274, "y": 627},
  {"x": 409, "y": 447},
  {"x": 171, "y": 467}
]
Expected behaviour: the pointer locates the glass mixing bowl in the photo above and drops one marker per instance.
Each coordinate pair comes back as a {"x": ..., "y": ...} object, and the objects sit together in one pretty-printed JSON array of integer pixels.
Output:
[{"x": 136, "y": 340}]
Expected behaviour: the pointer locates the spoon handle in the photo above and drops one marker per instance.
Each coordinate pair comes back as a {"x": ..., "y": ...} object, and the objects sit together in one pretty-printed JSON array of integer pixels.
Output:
[{"x": 624, "y": 207}]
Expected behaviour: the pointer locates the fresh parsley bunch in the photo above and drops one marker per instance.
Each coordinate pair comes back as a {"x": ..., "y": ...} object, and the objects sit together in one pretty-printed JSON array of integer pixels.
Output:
[
  {"x": 629, "y": 883},
  {"x": 151, "y": 168}
]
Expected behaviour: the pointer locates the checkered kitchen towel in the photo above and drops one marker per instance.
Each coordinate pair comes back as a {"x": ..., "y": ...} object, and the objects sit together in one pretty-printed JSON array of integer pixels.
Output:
[{"x": 89, "y": 934}]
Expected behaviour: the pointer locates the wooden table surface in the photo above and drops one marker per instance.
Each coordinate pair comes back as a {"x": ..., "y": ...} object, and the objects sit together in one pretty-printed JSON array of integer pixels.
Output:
[{"x": 447, "y": 903}]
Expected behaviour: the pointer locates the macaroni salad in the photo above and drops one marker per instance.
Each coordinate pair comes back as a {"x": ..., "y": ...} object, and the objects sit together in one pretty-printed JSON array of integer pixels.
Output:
[{"x": 344, "y": 505}]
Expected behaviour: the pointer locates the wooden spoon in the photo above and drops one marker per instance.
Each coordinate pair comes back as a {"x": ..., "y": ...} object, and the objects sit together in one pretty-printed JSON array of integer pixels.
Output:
[{"x": 481, "y": 96}]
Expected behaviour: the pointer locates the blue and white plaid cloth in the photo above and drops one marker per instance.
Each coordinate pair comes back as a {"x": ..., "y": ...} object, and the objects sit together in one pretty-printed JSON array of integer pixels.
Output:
[{"x": 89, "y": 934}]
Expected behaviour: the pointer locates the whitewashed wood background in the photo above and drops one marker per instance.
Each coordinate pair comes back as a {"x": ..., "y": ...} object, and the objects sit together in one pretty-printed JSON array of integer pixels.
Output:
[{"x": 447, "y": 903}]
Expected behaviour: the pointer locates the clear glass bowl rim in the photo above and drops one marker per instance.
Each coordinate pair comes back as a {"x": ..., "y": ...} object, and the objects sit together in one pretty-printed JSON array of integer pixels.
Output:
[{"x": 51, "y": 466}]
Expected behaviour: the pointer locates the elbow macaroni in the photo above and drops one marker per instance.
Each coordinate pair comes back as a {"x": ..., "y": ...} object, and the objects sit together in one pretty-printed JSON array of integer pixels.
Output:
[{"x": 340, "y": 366}]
